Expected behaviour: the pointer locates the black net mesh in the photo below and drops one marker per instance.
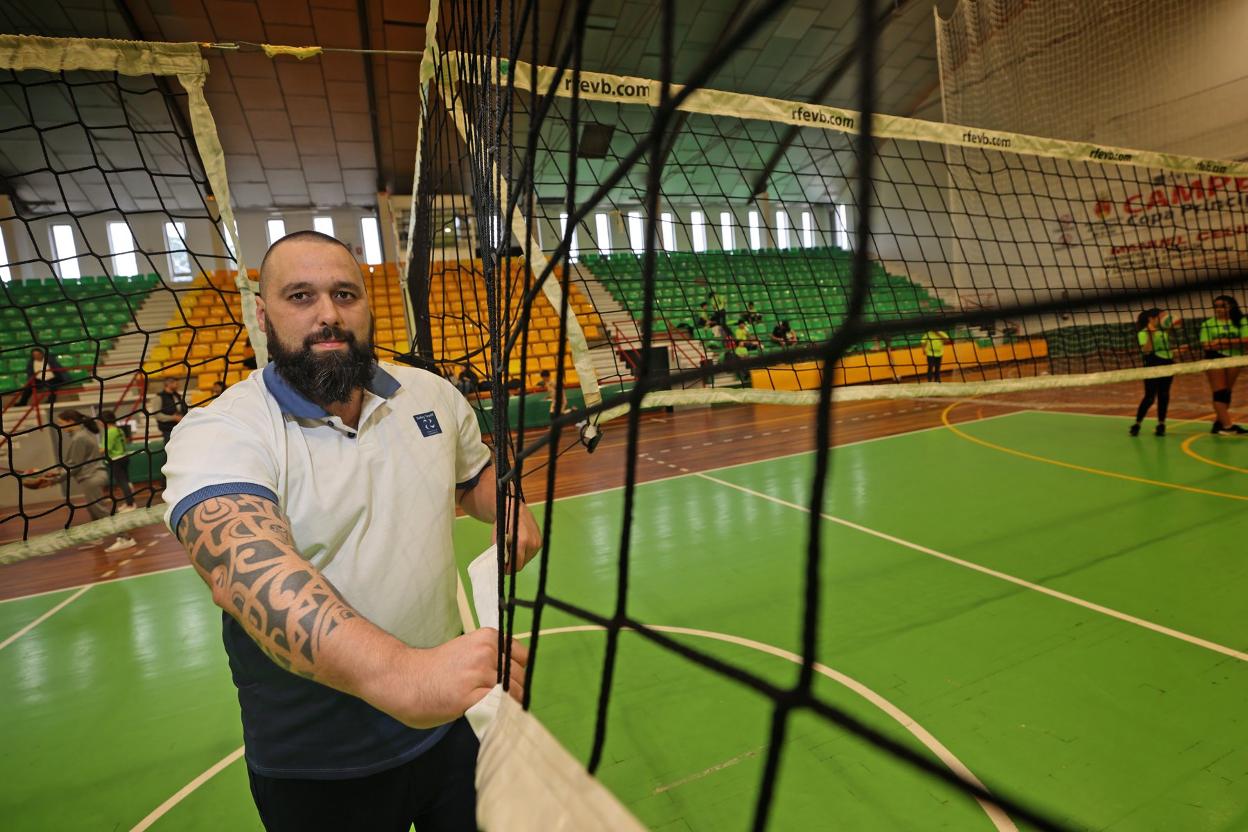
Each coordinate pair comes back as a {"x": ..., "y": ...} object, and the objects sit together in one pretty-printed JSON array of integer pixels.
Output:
[
  {"x": 695, "y": 249},
  {"x": 119, "y": 305}
]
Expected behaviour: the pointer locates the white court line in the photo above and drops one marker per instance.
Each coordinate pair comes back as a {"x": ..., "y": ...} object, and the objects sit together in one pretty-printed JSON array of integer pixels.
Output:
[
  {"x": 999, "y": 818},
  {"x": 180, "y": 794},
  {"x": 966, "y": 564},
  {"x": 32, "y": 625},
  {"x": 592, "y": 493},
  {"x": 569, "y": 497}
]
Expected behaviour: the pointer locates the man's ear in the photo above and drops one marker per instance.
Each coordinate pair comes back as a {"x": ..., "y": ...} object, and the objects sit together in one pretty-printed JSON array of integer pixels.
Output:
[{"x": 260, "y": 314}]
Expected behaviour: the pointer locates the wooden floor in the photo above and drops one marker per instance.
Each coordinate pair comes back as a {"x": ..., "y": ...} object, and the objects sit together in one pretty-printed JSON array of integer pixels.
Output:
[{"x": 689, "y": 440}]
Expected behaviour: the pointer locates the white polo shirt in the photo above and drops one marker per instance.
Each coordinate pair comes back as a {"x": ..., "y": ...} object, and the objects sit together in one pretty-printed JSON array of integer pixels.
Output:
[{"x": 372, "y": 507}]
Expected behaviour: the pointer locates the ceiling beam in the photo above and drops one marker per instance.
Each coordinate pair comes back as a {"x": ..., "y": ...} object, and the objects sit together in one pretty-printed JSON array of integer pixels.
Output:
[{"x": 366, "y": 43}]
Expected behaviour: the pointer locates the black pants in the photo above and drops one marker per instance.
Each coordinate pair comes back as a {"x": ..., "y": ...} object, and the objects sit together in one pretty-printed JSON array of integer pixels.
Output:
[
  {"x": 48, "y": 391},
  {"x": 166, "y": 429},
  {"x": 933, "y": 367},
  {"x": 1155, "y": 389},
  {"x": 437, "y": 792},
  {"x": 119, "y": 470}
]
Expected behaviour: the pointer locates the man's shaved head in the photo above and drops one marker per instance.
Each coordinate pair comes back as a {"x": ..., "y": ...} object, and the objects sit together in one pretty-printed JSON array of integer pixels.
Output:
[{"x": 301, "y": 236}]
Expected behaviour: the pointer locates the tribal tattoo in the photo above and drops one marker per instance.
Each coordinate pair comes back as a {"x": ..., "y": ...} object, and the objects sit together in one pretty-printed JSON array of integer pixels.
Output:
[{"x": 242, "y": 546}]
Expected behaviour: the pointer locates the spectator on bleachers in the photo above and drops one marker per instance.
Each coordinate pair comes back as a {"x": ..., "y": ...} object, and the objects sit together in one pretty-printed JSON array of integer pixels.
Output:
[
  {"x": 783, "y": 335},
  {"x": 752, "y": 316},
  {"x": 700, "y": 321},
  {"x": 719, "y": 308},
  {"x": 467, "y": 382},
  {"x": 170, "y": 407},
  {"x": 45, "y": 374},
  {"x": 745, "y": 337},
  {"x": 218, "y": 387}
]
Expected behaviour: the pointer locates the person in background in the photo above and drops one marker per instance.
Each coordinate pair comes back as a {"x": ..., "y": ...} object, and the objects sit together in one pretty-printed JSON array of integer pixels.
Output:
[
  {"x": 118, "y": 459},
  {"x": 81, "y": 463},
  {"x": 467, "y": 382},
  {"x": 752, "y": 315},
  {"x": 1222, "y": 336},
  {"x": 934, "y": 341},
  {"x": 218, "y": 387},
  {"x": 45, "y": 374},
  {"x": 1154, "y": 329},
  {"x": 745, "y": 337},
  {"x": 783, "y": 335},
  {"x": 719, "y": 308},
  {"x": 171, "y": 408}
]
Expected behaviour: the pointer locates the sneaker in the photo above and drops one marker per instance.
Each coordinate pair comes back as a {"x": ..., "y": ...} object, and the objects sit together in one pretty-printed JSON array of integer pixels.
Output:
[
  {"x": 121, "y": 544},
  {"x": 1232, "y": 429},
  {"x": 1135, "y": 429},
  {"x": 1160, "y": 429}
]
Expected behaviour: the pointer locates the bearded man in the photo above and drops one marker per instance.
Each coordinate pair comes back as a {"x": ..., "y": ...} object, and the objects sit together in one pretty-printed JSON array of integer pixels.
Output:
[{"x": 316, "y": 500}]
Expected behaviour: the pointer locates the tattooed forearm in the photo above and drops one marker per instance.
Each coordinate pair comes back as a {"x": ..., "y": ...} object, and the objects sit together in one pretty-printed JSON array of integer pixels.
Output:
[{"x": 242, "y": 546}]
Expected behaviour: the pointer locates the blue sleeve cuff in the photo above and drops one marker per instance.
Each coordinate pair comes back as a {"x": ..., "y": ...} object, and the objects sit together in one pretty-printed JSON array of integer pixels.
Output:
[
  {"x": 472, "y": 481},
  {"x": 208, "y": 492}
]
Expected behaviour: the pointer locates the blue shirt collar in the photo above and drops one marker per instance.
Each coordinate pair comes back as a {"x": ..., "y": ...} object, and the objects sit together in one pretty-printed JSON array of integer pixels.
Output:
[{"x": 294, "y": 403}]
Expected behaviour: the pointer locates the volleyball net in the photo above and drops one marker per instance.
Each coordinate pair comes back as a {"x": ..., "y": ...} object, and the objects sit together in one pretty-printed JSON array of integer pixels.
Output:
[{"x": 582, "y": 246}]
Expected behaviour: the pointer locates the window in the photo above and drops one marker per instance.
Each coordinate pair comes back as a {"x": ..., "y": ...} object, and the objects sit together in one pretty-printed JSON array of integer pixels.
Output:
[
  {"x": 668, "y": 227},
  {"x": 6, "y": 274},
  {"x": 782, "y": 229},
  {"x": 636, "y": 232},
  {"x": 175, "y": 244},
  {"x": 64, "y": 252},
  {"x": 325, "y": 225},
  {"x": 121, "y": 246},
  {"x": 602, "y": 224},
  {"x": 756, "y": 231},
  {"x": 276, "y": 230},
  {"x": 842, "y": 227},
  {"x": 698, "y": 220},
  {"x": 726, "y": 242},
  {"x": 574, "y": 251},
  {"x": 808, "y": 230},
  {"x": 372, "y": 240}
]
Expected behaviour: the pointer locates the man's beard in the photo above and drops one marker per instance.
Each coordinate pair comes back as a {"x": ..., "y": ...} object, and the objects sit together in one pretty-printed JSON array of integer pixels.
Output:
[{"x": 331, "y": 376}]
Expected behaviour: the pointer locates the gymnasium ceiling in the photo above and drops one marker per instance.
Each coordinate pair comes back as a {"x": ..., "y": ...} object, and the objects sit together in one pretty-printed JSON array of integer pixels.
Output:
[{"x": 287, "y": 147}]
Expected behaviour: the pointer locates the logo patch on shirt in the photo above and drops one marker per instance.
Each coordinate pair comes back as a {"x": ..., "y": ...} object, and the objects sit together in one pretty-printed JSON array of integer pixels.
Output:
[{"x": 428, "y": 423}]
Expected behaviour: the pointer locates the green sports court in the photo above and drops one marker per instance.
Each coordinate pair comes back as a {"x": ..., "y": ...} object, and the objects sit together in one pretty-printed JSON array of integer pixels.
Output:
[
  {"x": 1069, "y": 636},
  {"x": 871, "y": 370}
]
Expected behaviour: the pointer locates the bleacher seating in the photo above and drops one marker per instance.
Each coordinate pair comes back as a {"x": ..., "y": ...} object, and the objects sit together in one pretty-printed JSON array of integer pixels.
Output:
[
  {"x": 205, "y": 337},
  {"x": 77, "y": 320},
  {"x": 807, "y": 287},
  {"x": 457, "y": 308}
]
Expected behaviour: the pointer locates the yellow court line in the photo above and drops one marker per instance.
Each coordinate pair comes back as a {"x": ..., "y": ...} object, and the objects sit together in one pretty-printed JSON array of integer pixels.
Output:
[
  {"x": 1191, "y": 489},
  {"x": 1187, "y": 449}
]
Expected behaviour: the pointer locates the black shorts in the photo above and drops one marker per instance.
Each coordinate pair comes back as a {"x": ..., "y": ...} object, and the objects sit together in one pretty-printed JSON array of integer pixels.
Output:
[{"x": 1213, "y": 354}]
